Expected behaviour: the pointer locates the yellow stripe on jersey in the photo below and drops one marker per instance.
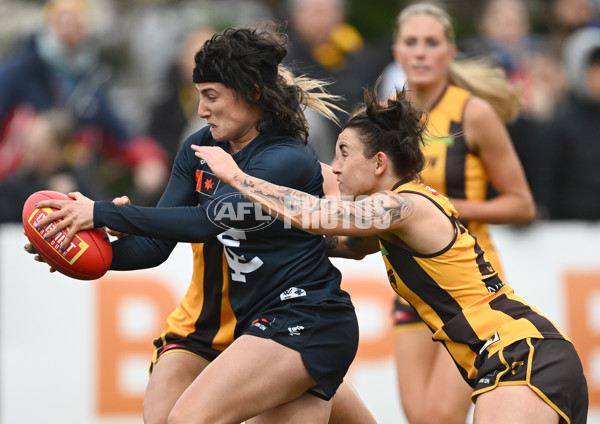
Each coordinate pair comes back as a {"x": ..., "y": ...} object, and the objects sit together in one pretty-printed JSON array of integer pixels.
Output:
[
  {"x": 452, "y": 168},
  {"x": 205, "y": 313},
  {"x": 224, "y": 336},
  {"x": 459, "y": 295}
]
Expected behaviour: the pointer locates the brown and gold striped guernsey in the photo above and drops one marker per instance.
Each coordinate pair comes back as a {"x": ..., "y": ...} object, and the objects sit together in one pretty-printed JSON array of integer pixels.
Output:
[
  {"x": 459, "y": 295},
  {"x": 452, "y": 168},
  {"x": 204, "y": 315}
]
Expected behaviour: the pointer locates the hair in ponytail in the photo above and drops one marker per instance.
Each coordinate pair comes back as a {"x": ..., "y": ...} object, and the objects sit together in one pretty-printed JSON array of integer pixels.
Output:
[
  {"x": 248, "y": 60},
  {"x": 395, "y": 127},
  {"x": 313, "y": 94}
]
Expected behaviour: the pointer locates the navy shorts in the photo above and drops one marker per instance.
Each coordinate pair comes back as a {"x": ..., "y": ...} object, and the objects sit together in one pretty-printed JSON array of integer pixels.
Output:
[
  {"x": 550, "y": 367},
  {"x": 325, "y": 335}
]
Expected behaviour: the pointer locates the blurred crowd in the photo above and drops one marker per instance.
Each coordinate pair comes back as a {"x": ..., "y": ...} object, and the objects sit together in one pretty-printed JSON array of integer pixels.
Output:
[{"x": 96, "y": 95}]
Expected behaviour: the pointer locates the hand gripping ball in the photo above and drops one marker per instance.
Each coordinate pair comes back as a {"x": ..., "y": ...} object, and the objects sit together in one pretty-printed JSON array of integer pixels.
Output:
[{"x": 89, "y": 255}]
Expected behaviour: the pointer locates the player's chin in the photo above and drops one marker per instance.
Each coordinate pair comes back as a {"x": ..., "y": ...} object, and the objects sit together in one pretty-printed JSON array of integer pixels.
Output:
[
  {"x": 344, "y": 191},
  {"x": 216, "y": 135},
  {"x": 220, "y": 136}
]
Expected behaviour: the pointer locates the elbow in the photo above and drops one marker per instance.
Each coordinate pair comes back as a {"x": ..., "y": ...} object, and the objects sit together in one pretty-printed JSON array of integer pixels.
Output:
[
  {"x": 532, "y": 213},
  {"x": 356, "y": 256},
  {"x": 528, "y": 212},
  {"x": 345, "y": 254}
]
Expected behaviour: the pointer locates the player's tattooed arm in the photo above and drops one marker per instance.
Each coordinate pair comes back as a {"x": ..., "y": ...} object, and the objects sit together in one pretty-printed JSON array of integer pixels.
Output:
[
  {"x": 373, "y": 214},
  {"x": 382, "y": 211},
  {"x": 399, "y": 208},
  {"x": 332, "y": 242}
]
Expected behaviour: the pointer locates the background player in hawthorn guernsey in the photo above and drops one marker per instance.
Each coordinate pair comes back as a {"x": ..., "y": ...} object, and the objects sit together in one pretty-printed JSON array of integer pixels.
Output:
[
  {"x": 291, "y": 312},
  {"x": 522, "y": 367},
  {"x": 466, "y": 149}
]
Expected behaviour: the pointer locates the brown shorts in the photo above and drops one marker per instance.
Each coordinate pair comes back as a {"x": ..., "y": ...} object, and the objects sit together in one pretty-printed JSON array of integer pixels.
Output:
[
  {"x": 172, "y": 343},
  {"x": 405, "y": 316},
  {"x": 550, "y": 367}
]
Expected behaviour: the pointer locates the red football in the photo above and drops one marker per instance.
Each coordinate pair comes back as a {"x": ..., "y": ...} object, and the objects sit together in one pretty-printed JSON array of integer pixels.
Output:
[{"x": 90, "y": 253}]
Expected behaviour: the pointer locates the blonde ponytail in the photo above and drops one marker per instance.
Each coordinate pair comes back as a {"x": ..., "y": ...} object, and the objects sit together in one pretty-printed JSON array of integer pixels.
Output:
[
  {"x": 314, "y": 95},
  {"x": 480, "y": 77}
]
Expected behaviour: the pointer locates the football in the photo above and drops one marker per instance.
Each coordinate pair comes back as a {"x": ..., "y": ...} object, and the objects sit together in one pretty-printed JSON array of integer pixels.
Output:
[{"x": 89, "y": 255}]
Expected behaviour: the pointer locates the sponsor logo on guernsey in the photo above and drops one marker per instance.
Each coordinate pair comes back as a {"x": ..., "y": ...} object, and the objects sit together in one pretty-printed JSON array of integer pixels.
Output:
[
  {"x": 488, "y": 379},
  {"x": 432, "y": 190},
  {"x": 292, "y": 293},
  {"x": 262, "y": 323},
  {"x": 491, "y": 341},
  {"x": 295, "y": 331},
  {"x": 493, "y": 288},
  {"x": 206, "y": 183}
]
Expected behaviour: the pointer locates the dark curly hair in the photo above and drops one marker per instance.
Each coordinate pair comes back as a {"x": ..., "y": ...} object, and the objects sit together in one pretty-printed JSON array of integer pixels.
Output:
[
  {"x": 247, "y": 60},
  {"x": 395, "y": 127}
]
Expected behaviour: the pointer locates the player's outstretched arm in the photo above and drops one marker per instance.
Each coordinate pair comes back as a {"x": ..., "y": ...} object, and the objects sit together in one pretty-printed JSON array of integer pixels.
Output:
[{"x": 380, "y": 212}]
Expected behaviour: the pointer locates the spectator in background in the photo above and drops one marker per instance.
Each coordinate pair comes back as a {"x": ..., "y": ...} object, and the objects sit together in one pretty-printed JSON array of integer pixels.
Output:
[
  {"x": 569, "y": 147},
  {"x": 324, "y": 46},
  {"x": 566, "y": 16},
  {"x": 44, "y": 165},
  {"x": 528, "y": 59},
  {"x": 58, "y": 67},
  {"x": 174, "y": 115},
  {"x": 504, "y": 33},
  {"x": 529, "y": 62}
]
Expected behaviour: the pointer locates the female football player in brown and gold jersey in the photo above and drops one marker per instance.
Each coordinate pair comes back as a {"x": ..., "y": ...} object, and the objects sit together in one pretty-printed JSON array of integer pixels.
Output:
[
  {"x": 467, "y": 149},
  {"x": 521, "y": 367}
]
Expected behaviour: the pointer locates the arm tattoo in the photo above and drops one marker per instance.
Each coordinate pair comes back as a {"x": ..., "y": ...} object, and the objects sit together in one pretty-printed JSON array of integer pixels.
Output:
[
  {"x": 331, "y": 242},
  {"x": 381, "y": 210},
  {"x": 400, "y": 208}
]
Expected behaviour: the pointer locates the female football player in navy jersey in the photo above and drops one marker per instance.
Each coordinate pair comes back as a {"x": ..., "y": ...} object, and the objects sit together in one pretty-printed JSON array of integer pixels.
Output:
[
  {"x": 296, "y": 331},
  {"x": 521, "y": 366}
]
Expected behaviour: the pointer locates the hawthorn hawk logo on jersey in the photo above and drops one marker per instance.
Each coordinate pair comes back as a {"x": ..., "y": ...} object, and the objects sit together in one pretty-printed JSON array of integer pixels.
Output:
[{"x": 206, "y": 183}]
